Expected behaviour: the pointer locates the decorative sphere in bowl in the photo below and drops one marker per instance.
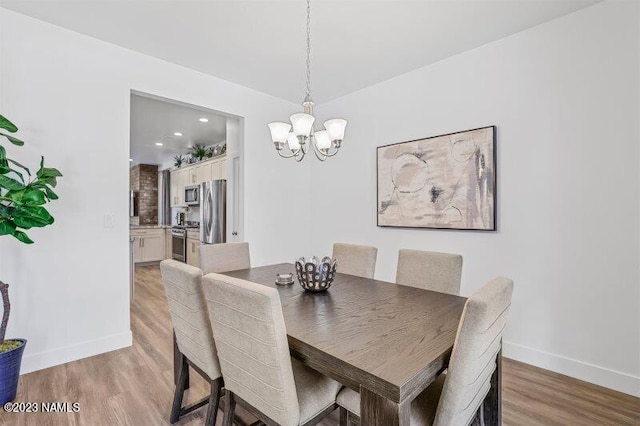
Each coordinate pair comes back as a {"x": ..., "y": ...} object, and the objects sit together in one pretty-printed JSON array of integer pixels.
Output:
[{"x": 314, "y": 274}]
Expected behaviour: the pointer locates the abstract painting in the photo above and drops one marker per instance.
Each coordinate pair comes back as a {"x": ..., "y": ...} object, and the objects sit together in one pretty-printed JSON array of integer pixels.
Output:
[{"x": 443, "y": 182}]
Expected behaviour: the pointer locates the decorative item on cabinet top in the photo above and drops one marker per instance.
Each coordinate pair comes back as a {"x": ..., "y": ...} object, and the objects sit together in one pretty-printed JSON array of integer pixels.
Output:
[{"x": 198, "y": 153}]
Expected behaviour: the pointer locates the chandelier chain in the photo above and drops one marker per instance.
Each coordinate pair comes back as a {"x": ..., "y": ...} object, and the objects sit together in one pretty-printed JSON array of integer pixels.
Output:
[{"x": 308, "y": 94}]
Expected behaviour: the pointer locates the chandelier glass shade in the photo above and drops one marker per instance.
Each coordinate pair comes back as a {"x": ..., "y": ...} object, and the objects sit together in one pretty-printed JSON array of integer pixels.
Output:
[{"x": 294, "y": 139}]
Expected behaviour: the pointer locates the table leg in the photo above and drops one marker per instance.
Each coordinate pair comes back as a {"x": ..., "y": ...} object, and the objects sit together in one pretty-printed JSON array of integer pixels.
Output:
[
  {"x": 492, "y": 405},
  {"x": 376, "y": 410}
]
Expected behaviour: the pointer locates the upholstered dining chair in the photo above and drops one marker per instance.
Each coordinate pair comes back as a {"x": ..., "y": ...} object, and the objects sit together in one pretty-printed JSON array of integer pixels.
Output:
[
  {"x": 456, "y": 397},
  {"x": 429, "y": 270},
  {"x": 355, "y": 260},
  {"x": 193, "y": 335},
  {"x": 224, "y": 257},
  {"x": 259, "y": 373}
]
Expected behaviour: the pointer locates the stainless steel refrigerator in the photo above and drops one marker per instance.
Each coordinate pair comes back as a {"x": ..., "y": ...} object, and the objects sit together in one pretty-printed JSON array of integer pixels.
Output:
[{"x": 213, "y": 212}]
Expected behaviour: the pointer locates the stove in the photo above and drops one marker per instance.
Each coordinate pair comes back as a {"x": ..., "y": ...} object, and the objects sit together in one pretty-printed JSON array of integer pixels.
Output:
[{"x": 179, "y": 240}]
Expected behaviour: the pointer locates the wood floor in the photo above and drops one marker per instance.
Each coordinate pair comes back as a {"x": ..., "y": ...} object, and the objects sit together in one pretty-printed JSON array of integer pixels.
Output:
[{"x": 134, "y": 386}]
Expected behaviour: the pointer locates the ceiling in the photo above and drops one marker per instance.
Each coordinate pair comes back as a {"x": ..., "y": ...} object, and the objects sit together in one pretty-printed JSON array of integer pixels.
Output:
[
  {"x": 155, "y": 121},
  {"x": 260, "y": 44}
]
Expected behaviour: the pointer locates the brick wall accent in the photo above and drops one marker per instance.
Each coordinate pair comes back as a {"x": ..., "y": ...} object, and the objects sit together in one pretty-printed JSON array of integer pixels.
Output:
[{"x": 143, "y": 178}]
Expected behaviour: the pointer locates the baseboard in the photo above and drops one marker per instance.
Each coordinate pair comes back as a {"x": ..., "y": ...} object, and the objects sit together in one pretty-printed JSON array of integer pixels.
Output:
[
  {"x": 608, "y": 378},
  {"x": 52, "y": 357}
]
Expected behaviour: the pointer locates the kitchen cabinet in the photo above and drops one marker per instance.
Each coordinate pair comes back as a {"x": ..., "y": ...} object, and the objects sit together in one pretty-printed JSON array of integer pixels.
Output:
[
  {"x": 148, "y": 245},
  {"x": 179, "y": 179},
  {"x": 193, "y": 252},
  {"x": 194, "y": 175},
  {"x": 168, "y": 244},
  {"x": 203, "y": 173}
]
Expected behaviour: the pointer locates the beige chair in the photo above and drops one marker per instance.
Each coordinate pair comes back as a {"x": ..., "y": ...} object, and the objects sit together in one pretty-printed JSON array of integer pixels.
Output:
[
  {"x": 429, "y": 270},
  {"x": 193, "y": 336},
  {"x": 355, "y": 260},
  {"x": 224, "y": 257},
  {"x": 259, "y": 373},
  {"x": 455, "y": 398}
]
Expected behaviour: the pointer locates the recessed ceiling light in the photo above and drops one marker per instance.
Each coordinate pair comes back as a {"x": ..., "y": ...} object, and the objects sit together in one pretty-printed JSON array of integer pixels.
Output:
[
  {"x": 177, "y": 134},
  {"x": 130, "y": 159},
  {"x": 158, "y": 143},
  {"x": 204, "y": 120}
]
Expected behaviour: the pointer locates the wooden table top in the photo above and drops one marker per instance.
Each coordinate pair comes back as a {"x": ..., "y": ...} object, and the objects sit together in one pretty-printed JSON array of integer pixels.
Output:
[{"x": 390, "y": 338}]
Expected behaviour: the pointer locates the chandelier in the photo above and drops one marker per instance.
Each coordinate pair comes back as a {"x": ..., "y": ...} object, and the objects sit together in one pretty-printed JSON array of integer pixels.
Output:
[{"x": 299, "y": 136}]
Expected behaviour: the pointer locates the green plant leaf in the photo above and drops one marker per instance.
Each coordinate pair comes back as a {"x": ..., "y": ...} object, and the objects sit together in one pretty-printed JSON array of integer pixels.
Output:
[
  {"x": 13, "y": 140},
  {"x": 15, "y": 196},
  {"x": 6, "y": 212},
  {"x": 50, "y": 194},
  {"x": 48, "y": 172},
  {"x": 4, "y": 170},
  {"x": 31, "y": 217},
  {"x": 10, "y": 184},
  {"x": 7, "y": 125},
  {"x": 6, "y": 227},
  {"x": 33, "y": 197},
  {"x": 23, "y": 237},
  {"x": 15, "y": 163}
]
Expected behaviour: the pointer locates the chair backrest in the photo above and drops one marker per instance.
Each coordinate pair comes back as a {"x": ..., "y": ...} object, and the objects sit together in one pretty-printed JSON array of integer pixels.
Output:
[
  {"x": 251, "y": 338},
  {"x": 224, "y": 257},
  {"x": 473, "y": 359},
  {"x": 429, "y": 270},
  {"x": 355, "y": 260},
  {"x": 190, "y": 316}
]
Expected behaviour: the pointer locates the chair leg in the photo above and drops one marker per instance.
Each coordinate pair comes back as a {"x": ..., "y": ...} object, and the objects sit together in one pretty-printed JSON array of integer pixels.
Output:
[
  {"x": 229, "y": 408},
  {"x": 214, "y": 401},
  {"x": 344, "y": 417},
  {"x": 176, "y": 363},
  {"x": 180, "y": 387}
]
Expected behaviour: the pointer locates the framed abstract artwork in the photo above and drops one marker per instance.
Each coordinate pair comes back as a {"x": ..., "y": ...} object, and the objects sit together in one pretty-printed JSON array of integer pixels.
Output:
[{"x": 441, "y": 182}]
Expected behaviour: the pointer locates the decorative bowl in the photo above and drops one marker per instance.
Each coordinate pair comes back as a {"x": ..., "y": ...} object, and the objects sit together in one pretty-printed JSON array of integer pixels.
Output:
[{"x": 316, "y": 275}]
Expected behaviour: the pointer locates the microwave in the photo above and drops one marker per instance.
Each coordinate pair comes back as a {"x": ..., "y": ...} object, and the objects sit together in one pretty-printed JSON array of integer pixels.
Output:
[{"x": 192, "y": 195}]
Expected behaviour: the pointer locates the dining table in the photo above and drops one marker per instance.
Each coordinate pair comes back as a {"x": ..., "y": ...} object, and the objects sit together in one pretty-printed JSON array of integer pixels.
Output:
[{"x": 384, "y": 340}]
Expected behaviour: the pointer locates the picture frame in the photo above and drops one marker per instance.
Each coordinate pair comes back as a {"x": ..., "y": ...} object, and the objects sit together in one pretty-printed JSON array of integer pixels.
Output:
[{"x": 446, "y": 181}]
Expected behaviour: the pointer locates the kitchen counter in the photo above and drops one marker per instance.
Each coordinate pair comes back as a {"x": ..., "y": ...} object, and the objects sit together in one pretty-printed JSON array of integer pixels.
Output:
[{"x": 131, "y": 227}]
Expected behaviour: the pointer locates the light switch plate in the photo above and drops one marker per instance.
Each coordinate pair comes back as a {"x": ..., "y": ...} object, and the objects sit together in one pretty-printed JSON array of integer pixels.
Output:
[{"x": 108, "y": 220}]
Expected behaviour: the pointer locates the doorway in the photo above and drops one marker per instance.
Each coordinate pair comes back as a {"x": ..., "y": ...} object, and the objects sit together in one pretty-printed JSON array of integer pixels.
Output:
[{"x": 175, "y": 147}]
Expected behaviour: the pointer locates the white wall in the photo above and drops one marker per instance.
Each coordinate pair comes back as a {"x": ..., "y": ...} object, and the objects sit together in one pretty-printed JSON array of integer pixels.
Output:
[
  {"x": 69, "y": 94},
  {"x": 564, "y": 98}
]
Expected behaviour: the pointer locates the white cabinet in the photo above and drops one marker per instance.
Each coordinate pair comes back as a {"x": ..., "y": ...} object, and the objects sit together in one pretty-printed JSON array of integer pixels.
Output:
[
  {"x": 195, "y": 175},
  {"x": 193, "y": 252},
  {"x": 168, "y": 240},
  {"x": 148, "y": 245},
  {"x": 203, "y": 172},
  {"x": 179, "y": 179},
  {"x": 219, "y": 170},
  {"x": 192, "y": 175}
]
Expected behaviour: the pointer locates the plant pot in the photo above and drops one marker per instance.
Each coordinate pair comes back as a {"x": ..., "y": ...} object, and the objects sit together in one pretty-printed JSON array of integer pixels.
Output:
[{"x": 10, "y": 371}]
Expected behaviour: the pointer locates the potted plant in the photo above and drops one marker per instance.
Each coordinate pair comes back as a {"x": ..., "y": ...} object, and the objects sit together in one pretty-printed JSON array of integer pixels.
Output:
[
  {"x": 199, "y": 152},
  {"x": 22, "y": 197}
]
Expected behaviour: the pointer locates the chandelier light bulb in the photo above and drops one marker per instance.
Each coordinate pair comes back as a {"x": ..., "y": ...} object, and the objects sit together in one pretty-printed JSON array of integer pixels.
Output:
[
  {"x": 336, "y": 128},
  {"x": 279, "y": 131},
  {"x": 302, "y": 124},
  {"x": 293, "y": 142},
  {"x": 322, "y": 139}
]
